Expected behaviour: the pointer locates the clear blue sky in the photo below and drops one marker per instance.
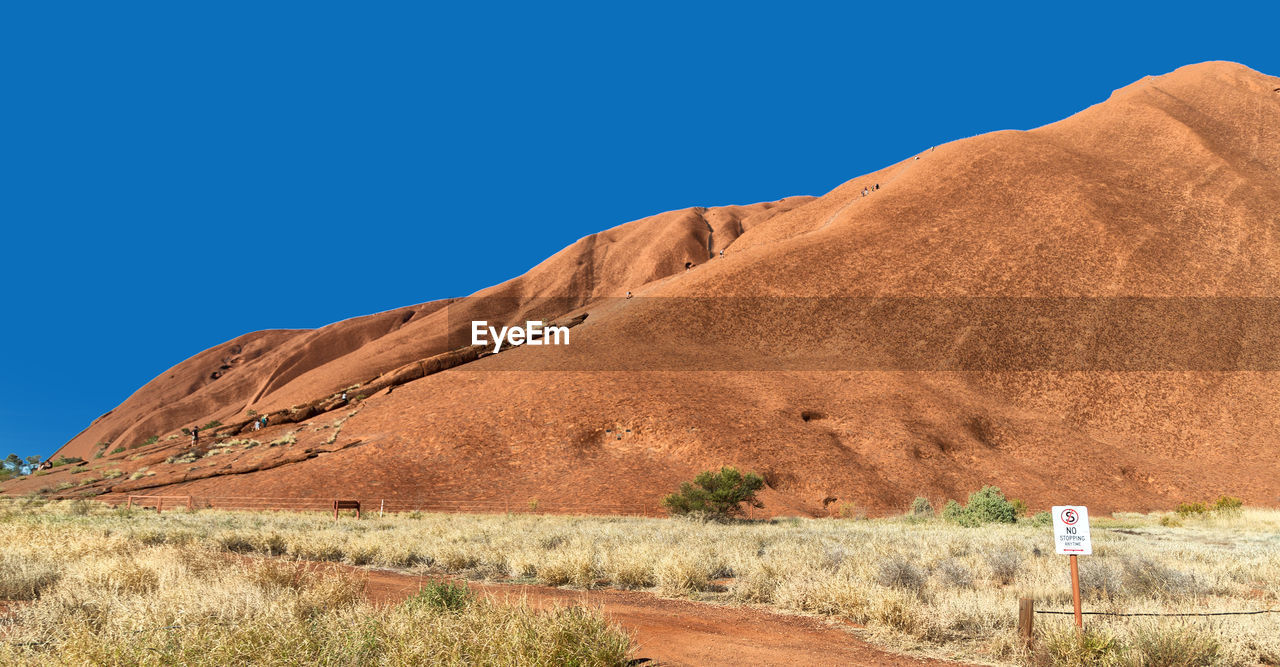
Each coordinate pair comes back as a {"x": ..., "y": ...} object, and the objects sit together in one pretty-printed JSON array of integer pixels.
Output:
[{"x": 167, "y": 169}]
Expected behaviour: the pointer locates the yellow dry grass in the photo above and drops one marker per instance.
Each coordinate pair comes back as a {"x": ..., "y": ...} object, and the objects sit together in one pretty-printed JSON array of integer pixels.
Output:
[
  {"x": 923, "y": 586},
  {"x": 98, "y": 592}
]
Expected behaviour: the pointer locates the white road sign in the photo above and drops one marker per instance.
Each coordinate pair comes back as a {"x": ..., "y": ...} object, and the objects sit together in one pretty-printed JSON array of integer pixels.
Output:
[{"x": 1071, "y": 530}]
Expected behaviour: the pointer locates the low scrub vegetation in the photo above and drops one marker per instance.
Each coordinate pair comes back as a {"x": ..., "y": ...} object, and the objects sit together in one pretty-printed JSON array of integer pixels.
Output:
[
  {"x": 917, "y": 584},
  {"x": 286, "y": 439},
  {"x": 91, "y": 596}
]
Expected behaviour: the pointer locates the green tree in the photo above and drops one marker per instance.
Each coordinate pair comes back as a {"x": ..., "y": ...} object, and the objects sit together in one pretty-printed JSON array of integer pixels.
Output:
[
  {"x": 717, "y": 495},
  {"x": 10, "y": 467}
]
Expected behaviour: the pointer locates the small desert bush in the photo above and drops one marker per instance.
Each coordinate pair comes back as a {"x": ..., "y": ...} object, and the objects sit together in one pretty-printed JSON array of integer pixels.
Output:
[
  {"x": 1228, "y": 505},
  {"x": 848, "y": 510},
  {"x": 715, "y": 494},
  {"x": 900, "y": 572},
  {"x": 1164, "y": 642},
  {"x": 1192, "y": 509},
  {"x": 441, "y": 595},
  {"x": 921, "y": 507},
  {"x": 1144, "y": 577},
  {"x": 1004, "y": 565},
  {"x": 286, "y": 439},
  {"x": 1063, "y": 646},
  {"x": 987, "y": 505}
]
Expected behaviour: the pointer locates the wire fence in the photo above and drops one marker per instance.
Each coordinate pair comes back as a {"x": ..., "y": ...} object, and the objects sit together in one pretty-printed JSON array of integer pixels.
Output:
[{"x": 1205, "y": 613}]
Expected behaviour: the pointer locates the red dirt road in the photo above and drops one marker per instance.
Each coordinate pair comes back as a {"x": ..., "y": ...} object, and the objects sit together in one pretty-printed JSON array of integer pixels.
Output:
[{"x": 678, "y": 632}]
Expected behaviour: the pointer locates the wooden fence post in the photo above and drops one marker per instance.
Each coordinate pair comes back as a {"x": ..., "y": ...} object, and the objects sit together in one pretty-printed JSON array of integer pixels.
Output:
[{"x": 1026, "y": 620}]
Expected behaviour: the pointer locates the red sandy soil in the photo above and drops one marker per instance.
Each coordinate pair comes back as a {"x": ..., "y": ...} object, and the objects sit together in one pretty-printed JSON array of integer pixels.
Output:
[
  {"x": 679, "y": 632},
  {"x": 1168, "y": 188}
]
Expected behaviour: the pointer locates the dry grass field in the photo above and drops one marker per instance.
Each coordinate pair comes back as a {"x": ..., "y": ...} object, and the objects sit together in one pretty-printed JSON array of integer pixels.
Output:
[
  {"x": 89, "y": 589},
  {"x": 103, "y": 581}
]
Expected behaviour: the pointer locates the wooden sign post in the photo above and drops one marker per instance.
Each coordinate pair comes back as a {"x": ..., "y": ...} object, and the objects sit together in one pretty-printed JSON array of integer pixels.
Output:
[{"x": 1071, "y": 537}]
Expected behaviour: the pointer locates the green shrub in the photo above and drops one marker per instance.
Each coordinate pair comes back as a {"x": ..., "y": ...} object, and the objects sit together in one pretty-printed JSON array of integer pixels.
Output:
[
  {"x": 149, "y": 441},
  {"x": 67, "y": 460},
  {"x": 988, "y": 505},
  {"x": 1228, "y": 505},
  {"x": 1019, "y": 506},
  {"x": 1188, "y": 509},
  {"x": 1043, "y": 518},
  {"x": 117, "y": 450},
  {"x": 213, "y": 424},
  {"x": 953, "y": 511},
  {"x": 921, "y": 507},
  {"x": 715, "y": 494}
]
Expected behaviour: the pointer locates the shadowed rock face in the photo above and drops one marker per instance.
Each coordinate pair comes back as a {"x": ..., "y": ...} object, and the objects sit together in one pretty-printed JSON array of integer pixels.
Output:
[{"x": 1170, "y": 188}]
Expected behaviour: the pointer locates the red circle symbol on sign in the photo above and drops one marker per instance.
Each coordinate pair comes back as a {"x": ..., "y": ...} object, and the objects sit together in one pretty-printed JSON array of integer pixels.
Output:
[{"x": 1070, "y": 517}]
